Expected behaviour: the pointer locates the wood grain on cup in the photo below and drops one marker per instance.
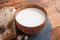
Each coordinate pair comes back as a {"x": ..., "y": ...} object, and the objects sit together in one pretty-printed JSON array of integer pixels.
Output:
[{"x": 31, "y": 30}]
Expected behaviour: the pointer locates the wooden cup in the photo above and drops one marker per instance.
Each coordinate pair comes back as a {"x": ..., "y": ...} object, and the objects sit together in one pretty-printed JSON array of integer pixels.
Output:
[{"x": 31, "y": 30}]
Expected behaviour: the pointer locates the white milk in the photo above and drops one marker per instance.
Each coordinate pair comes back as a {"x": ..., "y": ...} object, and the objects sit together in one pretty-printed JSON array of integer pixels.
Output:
[{"x": 30, "y": 17}]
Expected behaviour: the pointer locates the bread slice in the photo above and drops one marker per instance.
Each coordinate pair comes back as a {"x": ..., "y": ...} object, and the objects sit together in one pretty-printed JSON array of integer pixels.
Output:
[
  {"x": 6, "y": 20},
  {"x": 12, "y": 33},
  {"x": 7, "y": 16}
]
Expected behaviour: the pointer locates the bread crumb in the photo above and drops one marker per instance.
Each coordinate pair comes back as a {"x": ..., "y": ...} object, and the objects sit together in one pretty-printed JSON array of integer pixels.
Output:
[
  {"x": 26, "y": 38},
  {"x": 20, "y": 37}
]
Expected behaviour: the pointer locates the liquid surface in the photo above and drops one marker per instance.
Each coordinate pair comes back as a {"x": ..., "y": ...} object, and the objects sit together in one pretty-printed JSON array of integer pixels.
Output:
[{"x": 30, "y": 17}]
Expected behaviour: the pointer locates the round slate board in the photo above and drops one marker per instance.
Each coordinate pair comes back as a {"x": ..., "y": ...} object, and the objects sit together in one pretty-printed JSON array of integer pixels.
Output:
[{"x": 42, "y": 35}]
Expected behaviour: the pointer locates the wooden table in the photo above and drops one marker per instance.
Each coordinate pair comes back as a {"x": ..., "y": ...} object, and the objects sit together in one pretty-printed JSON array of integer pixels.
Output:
[{"x": 52, "y": 8}]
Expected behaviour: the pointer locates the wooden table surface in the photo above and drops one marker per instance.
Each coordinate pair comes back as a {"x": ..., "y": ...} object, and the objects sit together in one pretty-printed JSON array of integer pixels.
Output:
[{"x": 52, "y": 8}]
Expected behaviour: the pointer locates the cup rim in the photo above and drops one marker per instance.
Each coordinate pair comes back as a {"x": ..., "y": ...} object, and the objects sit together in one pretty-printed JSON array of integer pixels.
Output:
[{"x": 31, "y": 6}]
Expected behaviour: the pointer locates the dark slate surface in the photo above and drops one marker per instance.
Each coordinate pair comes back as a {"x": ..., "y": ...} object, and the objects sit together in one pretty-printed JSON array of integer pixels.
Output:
[{"x": 42, "y": 35}]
